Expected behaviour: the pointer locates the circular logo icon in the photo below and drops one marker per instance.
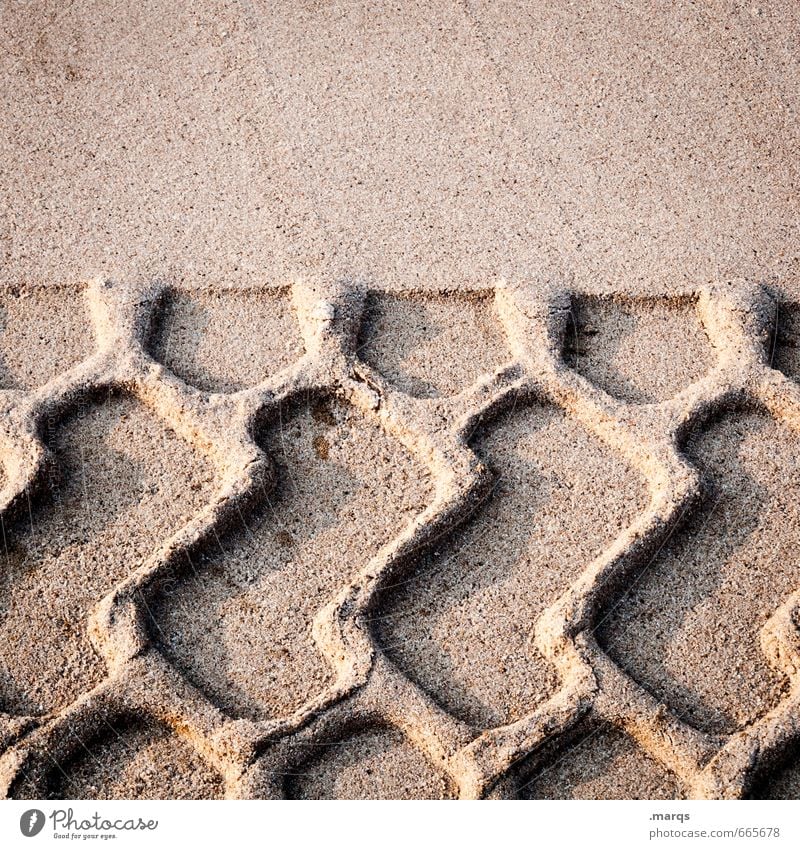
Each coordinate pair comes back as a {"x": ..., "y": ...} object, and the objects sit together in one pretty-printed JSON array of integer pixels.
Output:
[{"x": 31, "y": 822}]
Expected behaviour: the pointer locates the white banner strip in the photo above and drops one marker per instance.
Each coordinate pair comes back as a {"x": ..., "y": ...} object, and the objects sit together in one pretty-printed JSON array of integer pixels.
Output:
[{"x": 348, "y": 824}]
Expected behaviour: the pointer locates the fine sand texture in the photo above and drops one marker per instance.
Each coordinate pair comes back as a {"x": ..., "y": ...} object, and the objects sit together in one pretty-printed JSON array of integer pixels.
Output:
[
  {"x": 399, "y": 400},
  {"x": 423, "y": 144}
]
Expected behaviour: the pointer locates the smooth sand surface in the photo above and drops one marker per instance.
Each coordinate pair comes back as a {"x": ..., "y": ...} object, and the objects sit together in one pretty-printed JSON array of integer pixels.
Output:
[
  {"x": 413, "y": 144},
  {"x": 383, "y": 559}
]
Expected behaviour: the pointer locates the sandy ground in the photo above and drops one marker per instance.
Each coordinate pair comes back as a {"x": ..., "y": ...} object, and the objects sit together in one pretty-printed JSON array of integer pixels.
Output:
[
  {"x": 411, "y": 144},
  {"x": 218, "y": 158}
]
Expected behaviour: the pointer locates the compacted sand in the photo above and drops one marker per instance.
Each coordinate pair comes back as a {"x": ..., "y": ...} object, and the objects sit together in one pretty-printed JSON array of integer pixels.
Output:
[
  {"x": 373, "y": 411},
  {"x": 460, "y": 623}
]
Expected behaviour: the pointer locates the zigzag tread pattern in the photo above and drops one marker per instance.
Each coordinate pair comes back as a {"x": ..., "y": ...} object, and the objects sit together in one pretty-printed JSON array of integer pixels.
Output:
[{"x": 150, "y": 696}]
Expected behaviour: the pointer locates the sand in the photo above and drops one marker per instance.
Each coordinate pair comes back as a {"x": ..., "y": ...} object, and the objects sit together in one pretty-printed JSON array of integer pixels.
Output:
[
  {"x": 408, "y": 338},
  {"x": 239, "y": 623},
  {"x": 459, "y": 625},
  {"x": 399, "y": 400},
  {"x": 35, "y": 347},
  {"x": 606, "y": 336},
  {"x": 412, "y": 145},
  {"x": 119, "y": 483},
  {"x": 601, "y": 763},
  {"x": 727, "y": 571},
  {"x": 212, "y": 341},
  {"x": 137, "y": 761},
  {"x": 375, "y": 764}
]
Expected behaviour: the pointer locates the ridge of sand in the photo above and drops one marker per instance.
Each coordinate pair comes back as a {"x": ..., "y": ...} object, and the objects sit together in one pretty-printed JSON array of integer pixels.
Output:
[{"x": 391, "y": 483}]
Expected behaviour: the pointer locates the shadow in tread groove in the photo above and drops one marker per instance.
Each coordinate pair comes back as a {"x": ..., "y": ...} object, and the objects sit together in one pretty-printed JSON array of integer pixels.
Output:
[
  {"x": 619, "y": 346},
  {"x": 225, "y": 340},
  {"x": 371, "y": 764},
  {"x": 135, "y": 760},
  {"x": 121, "y": 483},
  {"x": 787, "y": 343},
  {"x": 784, "y": 784},
  {"x": 431, "y": 346},
  {"x": 601, "y": 763},
  {"x": 237, "y": 622},
  {"x": 688, "y": 628},
  {"x": 460, "y": 625}
]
